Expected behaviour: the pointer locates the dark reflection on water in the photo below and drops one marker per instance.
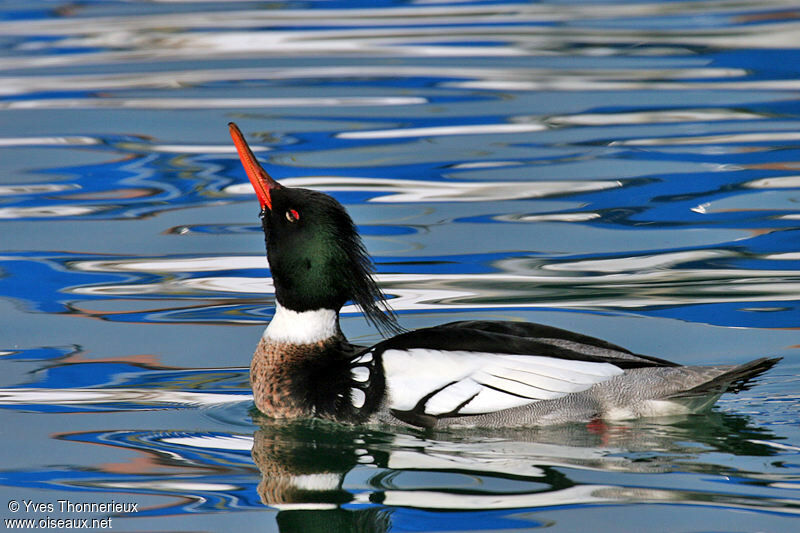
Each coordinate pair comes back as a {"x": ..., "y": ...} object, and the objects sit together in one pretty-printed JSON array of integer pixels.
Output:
[{"x": 305, "y": 465}]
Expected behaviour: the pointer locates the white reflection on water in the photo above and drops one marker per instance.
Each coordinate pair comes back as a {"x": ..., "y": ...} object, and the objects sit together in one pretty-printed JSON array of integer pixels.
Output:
[
  {"x": 622, "y": 282},
  {"x": 231, "y": 284},
  {"x": 37, "y": 188},
  {"x": 439, "y": 191},
  {"x": 380, "y": 30},
  {"x": 89, "y": 396},
  {"x": 168, "y": 486},
  {"x": 202, "y": 103},
  {"x": 189, "y": 264},
  {"x": 414, "y": 15},
  {"x": 426, "y": 499},
  {"x": 224, "y": 442},
  {"x": 551, "y": 217},
  {"x": 652, "y": 117},
  {"x": 726, "y": 138},
  {"x": 48, "y": 211},
  {"x": 661, "y": 261},
  {"x": 202, "y": 149},
  {"x": 784, "y": 182},
  {"x": 525, "y": 76},
  {"x": 494, "y": 79},
  {"x": 569, "y": 83},
  {"x": 72, "y": 140},
  {"x": 435, "y": 131}
]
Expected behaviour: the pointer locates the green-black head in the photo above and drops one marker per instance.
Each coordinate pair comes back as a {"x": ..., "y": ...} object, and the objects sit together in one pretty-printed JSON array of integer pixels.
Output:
[{"x": 315, "y": 254}]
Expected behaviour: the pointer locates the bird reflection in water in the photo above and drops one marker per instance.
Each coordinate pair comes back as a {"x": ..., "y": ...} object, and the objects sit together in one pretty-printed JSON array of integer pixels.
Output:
[
  {"x": 303, "y": 465},
  {"x": 313, "y": 471}
]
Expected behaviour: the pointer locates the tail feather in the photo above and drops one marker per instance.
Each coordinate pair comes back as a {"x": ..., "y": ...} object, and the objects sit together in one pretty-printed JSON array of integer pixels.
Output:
[{"x": 737, "y": 379}]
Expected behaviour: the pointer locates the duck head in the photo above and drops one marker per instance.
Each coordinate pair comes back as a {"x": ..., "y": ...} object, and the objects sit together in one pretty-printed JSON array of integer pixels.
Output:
[{"x": 315, "y": 254}]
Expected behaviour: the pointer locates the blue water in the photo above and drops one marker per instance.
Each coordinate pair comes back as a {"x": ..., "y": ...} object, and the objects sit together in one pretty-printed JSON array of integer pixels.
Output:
[{"x": 629, "y": 170}]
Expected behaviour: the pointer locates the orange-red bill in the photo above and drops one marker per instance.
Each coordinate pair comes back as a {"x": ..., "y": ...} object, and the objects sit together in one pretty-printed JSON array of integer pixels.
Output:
[{"x": 262, "y": 182}]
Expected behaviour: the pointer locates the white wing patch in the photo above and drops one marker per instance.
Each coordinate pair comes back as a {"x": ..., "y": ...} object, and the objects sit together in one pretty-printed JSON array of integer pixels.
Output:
[
  {"x": 357, "y": 397},
  {"x": 360, "y": 374},
  {"x": 476, "y": 382}
]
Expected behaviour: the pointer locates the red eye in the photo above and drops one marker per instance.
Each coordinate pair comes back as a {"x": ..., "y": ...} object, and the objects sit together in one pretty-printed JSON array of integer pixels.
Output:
[{"x": 292, "y": 215}]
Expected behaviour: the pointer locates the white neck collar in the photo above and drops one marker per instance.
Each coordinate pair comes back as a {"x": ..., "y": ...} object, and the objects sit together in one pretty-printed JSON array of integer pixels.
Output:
[{"x": 306, "y": 327}]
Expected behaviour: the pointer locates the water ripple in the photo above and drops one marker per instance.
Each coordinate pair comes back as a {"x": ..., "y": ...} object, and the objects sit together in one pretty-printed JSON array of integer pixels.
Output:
[
  {"x": 643, "y": 282},
  {"x": 27, "y": 397},
  {"x": 590, "y": 165},
  {"x": 405, "y": 191},
  {"x": 202, "y": 103}
]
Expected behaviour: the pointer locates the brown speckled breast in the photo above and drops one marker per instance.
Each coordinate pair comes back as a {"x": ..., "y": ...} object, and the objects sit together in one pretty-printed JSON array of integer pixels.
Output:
[{"x": 299, "y": 381}]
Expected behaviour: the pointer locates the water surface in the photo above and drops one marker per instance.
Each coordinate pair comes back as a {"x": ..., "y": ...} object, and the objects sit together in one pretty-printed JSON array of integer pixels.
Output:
[{"x": 628, "y": 170}]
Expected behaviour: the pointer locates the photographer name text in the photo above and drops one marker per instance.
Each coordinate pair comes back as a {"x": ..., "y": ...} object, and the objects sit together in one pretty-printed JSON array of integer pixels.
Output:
[{"x": 40, "y": 508}]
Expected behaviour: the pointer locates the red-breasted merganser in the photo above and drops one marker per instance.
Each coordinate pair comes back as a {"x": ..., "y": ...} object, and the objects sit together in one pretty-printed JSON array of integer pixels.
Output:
[{"x": 469, "y": 373}]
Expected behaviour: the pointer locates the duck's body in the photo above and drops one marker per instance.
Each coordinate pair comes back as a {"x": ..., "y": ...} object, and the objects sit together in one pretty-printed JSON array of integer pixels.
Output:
[
  {"x": 481, "y": 373},
  {"x": 475, "y": 373}
]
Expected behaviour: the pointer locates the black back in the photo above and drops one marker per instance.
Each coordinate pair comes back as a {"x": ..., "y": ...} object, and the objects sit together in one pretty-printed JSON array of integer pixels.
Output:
[{"x": 518, "y": 338}]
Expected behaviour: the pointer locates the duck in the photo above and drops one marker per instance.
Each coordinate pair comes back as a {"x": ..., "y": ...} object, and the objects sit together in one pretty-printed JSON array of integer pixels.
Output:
[{"x": 469, "y": 373}]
